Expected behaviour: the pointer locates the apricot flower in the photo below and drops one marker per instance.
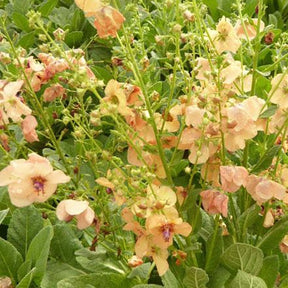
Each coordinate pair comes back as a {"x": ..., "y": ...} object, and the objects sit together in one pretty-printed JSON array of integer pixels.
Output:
[
  {"x": 279, "y": 91},
  {"x": 31, "y": 180},
  {"x": 250, "y": 29},
  {"x": 28, "y": 126},
  {"x": 233, "y": 177},
  {"x": 67, "y": 209}
]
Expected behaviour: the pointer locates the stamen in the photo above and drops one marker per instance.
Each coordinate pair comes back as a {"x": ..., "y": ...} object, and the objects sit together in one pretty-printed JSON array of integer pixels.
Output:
[{"x": 38, "y": 184}]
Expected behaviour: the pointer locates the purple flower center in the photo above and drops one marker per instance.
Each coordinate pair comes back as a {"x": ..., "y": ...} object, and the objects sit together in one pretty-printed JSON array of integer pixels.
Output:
[
  {"x": 166, "y": 232},
  {"x": 38, "y": 184}
]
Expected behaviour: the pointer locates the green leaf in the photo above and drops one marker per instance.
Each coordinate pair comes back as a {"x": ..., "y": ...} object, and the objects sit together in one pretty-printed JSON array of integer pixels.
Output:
[
  {"x": 38, "y": 252},
  {"x": 169, "y": 280},
  {"x": 46, "y": 7},
  {"x": 64, "y": 244},
  {"x": 141, "y": 271},
  {"x": 24, "y": 225},
  {"x": 269, "y": 112},
  {"x": 244, "y": 257},
  {"x": 245, "y": 280},
  {"x": 266, "y": 160},
  {"x": 195, "y": 278},
  {"x": 10, "y": 260},
  {"x": 269, "y": 271},
  {"x": 57, "y": 271},
  {"x": 74, "y": 39},
  {"x": 103, "y": 280},
  {"x": 98, "y": 261},
  {"x": 27, "y": 40},
  {"x": 274, "y": 235},
  {"x": 212, "y": 5},
  {"x": 3, "y": 214},
  {"x": 21, "y": 21},
  {"x": 147, "y": 286},
  {"x": 102, "y": 73},
  {"x": 214, "y": 249},
  {"x": 219, "y": 278},
  {"x": 21, "y": 6},
  {"x": 26, "y": 281},
  {"x": 263, "y": 86}
]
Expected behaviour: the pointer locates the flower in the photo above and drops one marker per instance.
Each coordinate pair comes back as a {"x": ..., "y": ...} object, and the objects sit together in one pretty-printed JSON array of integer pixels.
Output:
[
  {"x": 135, "y": 261},
  {"x": 251, "y": 29},
  {"x": 31, "y": 180},
  {"x": 214, "y": 202},
  {"x": 279, "y": 91},
  {"x": 67, "y": 209},
  {"x": 233, "y": 177},
  {"x": 28, "y": 126},
  {"x": 89, "y": 7},
  {"x": 108, "y": 21},
  {"x": 53, "y": 92},
  {"x": 225, "y": 38}
]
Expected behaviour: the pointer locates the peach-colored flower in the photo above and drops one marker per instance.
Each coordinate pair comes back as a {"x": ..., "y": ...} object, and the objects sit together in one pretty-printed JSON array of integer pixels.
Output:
[
  {"x": 132, "y": 225},
  {"x": 108, "y": 21},
  {"x": 31, "y": 180},
  {"x": 194, "y": 116},
  {"x": 251, "y": 29},
  {"x": 28, "y": 126},
  {"x": 181, "y": 194},
  {"x": 210, "y": 171},
  {"x": 262, "y": 189},
  {"x": 53, "y": 92},
  {"x": 10, "y": 104},
  {"x": 163, "y": 227},
  {"x": 135, "y": 261},
  {"x": 214, "y": 202},
  {"x": 279, "y": 91},
  {"x": 269, "y": 219},
  {"x": 232, "y": 178},
  {"x": 67, "y": 209},
  {"x": 225, "y": 38},
  {"x": 284, "y": 245},
  {"x": 89, "y": 7}
]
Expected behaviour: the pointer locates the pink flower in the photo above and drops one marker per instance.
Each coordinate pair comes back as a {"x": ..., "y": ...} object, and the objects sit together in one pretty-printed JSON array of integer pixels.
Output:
[
  {"x": 232, "y": 178},
  {"x": 28, "y": 126},
  {"x": 53, "y": 92},
  {"x": 31, "y": 180},
  {"x": 251, "y": 29},
  {"x": 67, "y": 209},
  {"x": 108, "y": 21},
  {"x": 214, "y": 202}
]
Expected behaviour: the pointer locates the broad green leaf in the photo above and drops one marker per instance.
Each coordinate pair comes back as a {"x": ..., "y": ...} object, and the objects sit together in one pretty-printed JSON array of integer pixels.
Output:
[
  {"x": 103, "y": 280},
  {"x": 24, "y": 269},
  {"x": 169, "y": 280},
  {"x": 266, "y": 160},
  {"x": 21, "y": 21},
  {"x": 212, "y": 5},
  {"x": 46, "y": 8},
  {"x": 102, "y": 73},
  {"x": 269, "y": 112},
  {"x": 269, "y": 271},
  {"x": 147, "y": 286},
  {"x": 57, "y": 271},
  {"x": 141, "y": 271},
  {"x": 263, "y": 86},
  {"x": 64, "y": 244},
  {"x": 38, "y": 252},
  {"x": 74, "y": 38},
  {"x": 27, "y": 40},
  {"x": 98, "y": 261},
  {"x": 24, "y": 225},
  {"x": 246, "y": 280},
  {"x": 21, "y": 6},
  {"x": 10, "y": 260},
  {"x": 3, "y": 214},
  {"x": 26, "y": 281},
  {"x": 243, "y": 257},
  {"x": 274, "y": 235},
  {"x": 219, "y": 278},
  {"x": 214, "y": 249},
  {"x": 195, "y": 278}
]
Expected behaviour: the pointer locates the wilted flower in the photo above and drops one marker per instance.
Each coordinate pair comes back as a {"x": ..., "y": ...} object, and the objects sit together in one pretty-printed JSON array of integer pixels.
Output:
[
  {"x": 53, "y": 92},
  {"x": 28, "y": 126},
  {"x": 31, "y": 180},
  {"x": 67, "y": 209},
  {"x": 135, "y": 261}
]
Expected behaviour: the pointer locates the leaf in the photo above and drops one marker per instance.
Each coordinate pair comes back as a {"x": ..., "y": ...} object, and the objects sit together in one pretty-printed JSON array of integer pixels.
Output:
[
  {"x": 269, "y": 112},
  {"x": 269, "y": 271},
  {"x": 26, "y": 281},
  {"x": 74, "y": 39},
  {"x": 3, "y": 214},
  {"x": 141, "y": 271},
  {"x": 10, "y": 260},
  {"x": 98, "y": 261},
  {"x": 102, "y": 73},
  {"x": 219, "y": 278},
  {"x": 21, "y": 6},
  {"x": 103, "y": 280},
  {"x": 266, "y": 160},
  {"x": 245, "y": 280},
  {"x": 57, "y": 271},
  {"x": 21, "y": 21},
  {"x": 214, "y": 249},
  {"x": 212, "y": 5},
  {"x": 46, "y": 8},
  {"x": 243, "y": 257},
  {"x": 195, "y": 278},
  {"x": 24, "y": 225},
  {"x": 38, "y": 252},
  {"x": 274, "y": 235},
  {"x": 169, "y": 280},
  {"x": 64, "y": 244},
  {"x": 27, "y": 40},
  {"x": 147, "y": 286}
]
